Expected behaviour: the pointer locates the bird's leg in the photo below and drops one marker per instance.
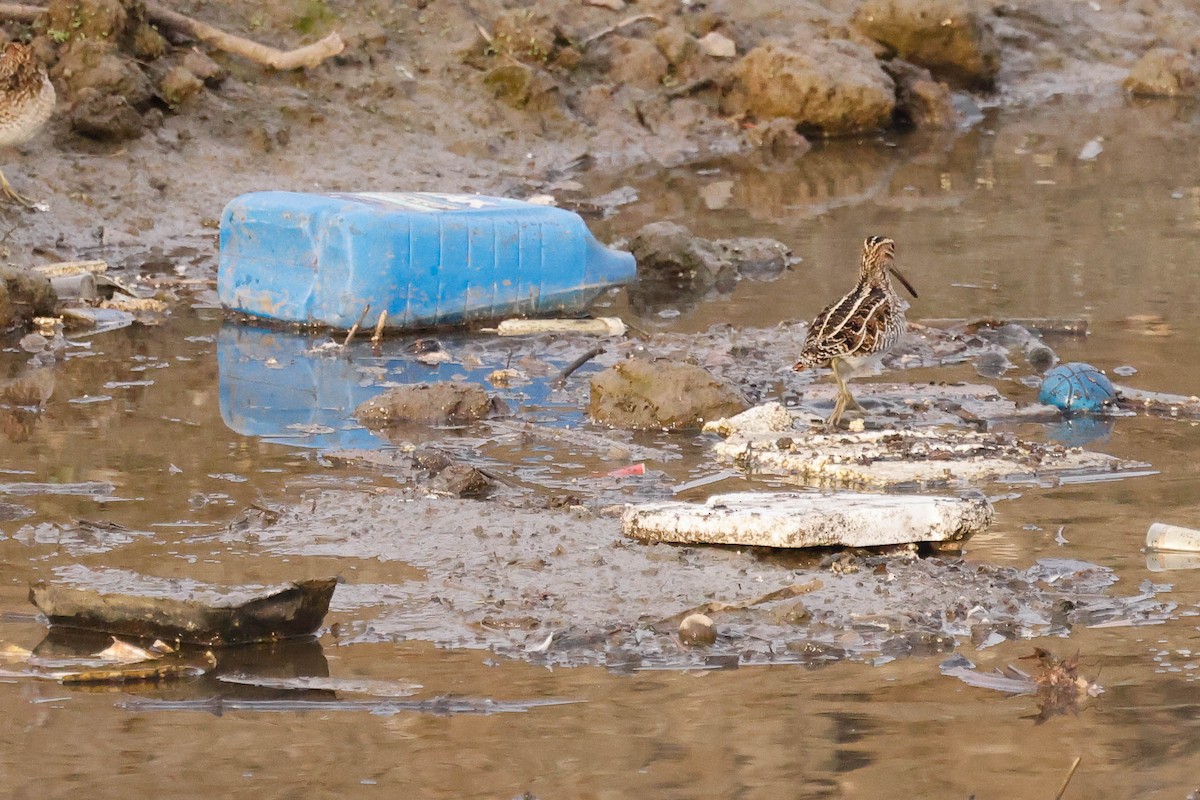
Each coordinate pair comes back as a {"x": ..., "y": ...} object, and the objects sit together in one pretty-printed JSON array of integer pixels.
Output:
[
  {"x": 10, "y": 193},
  {"x": 839, "y": 408},
  {"x": 839, "y": 405},
  {"x": 843, "y": 388}
]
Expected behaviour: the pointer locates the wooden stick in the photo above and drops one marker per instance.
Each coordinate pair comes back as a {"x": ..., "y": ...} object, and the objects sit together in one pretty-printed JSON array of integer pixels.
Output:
[
  {"x": 379, "y": 327},
  {"x": 307, "y": 56},
  {"x": 625, "y": 23},
  {"x": 561, "y": 380},
  {"x": 1070, "y": 774},
  {"x": 354, "y": 328},
  {"x": 16, "y": 12}
]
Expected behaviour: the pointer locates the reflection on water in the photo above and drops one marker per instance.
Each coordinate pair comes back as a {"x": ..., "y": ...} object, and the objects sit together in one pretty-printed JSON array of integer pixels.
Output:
[{"x": 1002, "y": 220}]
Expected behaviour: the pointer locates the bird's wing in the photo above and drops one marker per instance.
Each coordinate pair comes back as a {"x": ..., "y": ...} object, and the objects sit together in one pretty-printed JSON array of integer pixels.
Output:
[{"x": 855, "y": 325}]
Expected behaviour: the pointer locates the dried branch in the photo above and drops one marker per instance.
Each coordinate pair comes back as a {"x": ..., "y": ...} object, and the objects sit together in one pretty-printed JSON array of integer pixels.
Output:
[{"x": 307, "y": 56}]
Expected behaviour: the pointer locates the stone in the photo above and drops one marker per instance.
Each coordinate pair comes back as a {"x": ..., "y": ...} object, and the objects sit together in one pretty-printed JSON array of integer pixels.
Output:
[
  {"x": 511, "y": 83},
  {"x": 755, "y": 258},
  {"x": 715, "y": 45},
  {"x": 525, "y": 34},
  {"x": 204, "y": 68},
  {"x": 676, "y": 44},
  {"x": 921, "y": 101},
  {"x": 445, "y": 402},
  {"x": 779, "y": 137},
  {"x": 95, "y": 20},
  {"x": 642, "y": 395},
  {"x": 87, "y": 64},
  {"x": 461, "y": 480},
  {"x": 178, "y": 86},
  {"x": 832, "y": 87},
  {"x": 105, "y": 117},
  {"x": 809, "y": 519},
  {"x": 668, "y": 253},
  {"x": 697, "y": 630},
  {"x": 951, "y": 38},
  {"x": 149, "y": 44},
  {"x": 636, "y": 62},
  {"x": 1163, "y": 72}
]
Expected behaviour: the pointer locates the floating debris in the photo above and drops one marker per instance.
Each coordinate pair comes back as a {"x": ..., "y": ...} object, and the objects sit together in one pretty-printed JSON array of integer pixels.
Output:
[
  {"x": 600, "y": 326},
  {"x": 1077, "y": 387},
  {"x": 777, "y": 519},
  {"x": 235, "y": 618},
  {"x": 438, "y": 706},
  {"x": 1161, "y": 536},
  {"x": 926, "y": 456},
  {"x": 1159, "y": 404}
]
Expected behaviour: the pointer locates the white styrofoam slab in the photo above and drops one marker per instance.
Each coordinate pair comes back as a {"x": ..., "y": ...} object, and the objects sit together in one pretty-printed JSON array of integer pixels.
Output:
[{"x": 809, "y": 519}]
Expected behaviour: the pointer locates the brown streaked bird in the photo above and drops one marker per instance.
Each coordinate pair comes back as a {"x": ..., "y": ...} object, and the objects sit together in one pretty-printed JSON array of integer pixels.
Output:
[
  {"x": 26, "y": 102},
  {"x": 864, "y": 324}
]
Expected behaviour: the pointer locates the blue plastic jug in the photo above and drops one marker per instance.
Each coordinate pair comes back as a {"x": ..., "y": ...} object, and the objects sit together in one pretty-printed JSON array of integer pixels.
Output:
[{"x": 427, "y": 259}]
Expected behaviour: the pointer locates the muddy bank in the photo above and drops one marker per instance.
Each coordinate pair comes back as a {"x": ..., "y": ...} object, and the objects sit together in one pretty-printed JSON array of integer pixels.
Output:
[
  {"x": 512, "y": 579},
  {"x": 151, "y": 139}
]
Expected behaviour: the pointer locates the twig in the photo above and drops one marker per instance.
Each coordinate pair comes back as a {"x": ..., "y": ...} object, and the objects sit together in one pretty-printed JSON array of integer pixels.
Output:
[
  {"x": 17, "y": 12},
  {"x": 307, "y": 56},
  {"x": 1070, "y": 774},
  {"x": 379, "y": 327},
  {"x": 354, "y": 328},
  {"x": 625, "y": 23},
  {"x": 561, "y": 380}
]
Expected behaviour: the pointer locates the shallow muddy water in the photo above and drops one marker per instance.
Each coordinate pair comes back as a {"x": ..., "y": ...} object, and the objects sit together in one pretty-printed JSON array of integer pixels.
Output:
[{"x": 182, "y": 435}]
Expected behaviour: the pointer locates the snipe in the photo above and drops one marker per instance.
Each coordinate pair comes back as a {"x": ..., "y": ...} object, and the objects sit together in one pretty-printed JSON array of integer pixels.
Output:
[
  {"x": 26, "y": 102},
  {"x": 860, "y": 327}
]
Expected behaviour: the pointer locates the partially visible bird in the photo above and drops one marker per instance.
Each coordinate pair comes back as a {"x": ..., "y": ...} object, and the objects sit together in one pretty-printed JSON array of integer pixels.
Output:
[
  {"x": 26, "y": 102},
  {"x": 864, "y": 324}
]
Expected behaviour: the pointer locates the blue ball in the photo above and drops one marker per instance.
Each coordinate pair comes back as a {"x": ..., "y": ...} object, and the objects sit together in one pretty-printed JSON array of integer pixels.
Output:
[{"x": 1077, "y": 387}]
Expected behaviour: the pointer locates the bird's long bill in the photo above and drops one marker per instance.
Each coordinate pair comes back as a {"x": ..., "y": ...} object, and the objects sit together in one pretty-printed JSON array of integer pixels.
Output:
[{"x": 904, "y": 280}]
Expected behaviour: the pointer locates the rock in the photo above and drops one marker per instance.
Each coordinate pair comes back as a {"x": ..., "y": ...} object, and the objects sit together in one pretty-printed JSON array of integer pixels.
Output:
[
  {"x": 24, "y": 295},
  {"x": 1163, "y": 72},
  {"x": 779, "y": 137},
  {"x": 461, "y": 480},
  {"x": 446, "y": 402},
  {"x": 755, "y": 258},
  {"x": 526, "y": 34},
  {"x": 204, "y": 68},
  {"x": 921, "y": 101},
  {"x": 697, "y": 630},
  {"x": 511, "y": 83},
  {"x": 366, "y": 35},
  {"x": 88, "y": 64},
  {"x": 715, "y": 45},
  {"x": 97, "y": 20},
  {"x": 951, "y": 38},
  {"x": 671, "y": 260},
  {"x": 178, "y": 86},
  {"x": 636, "y": 62},
  {"x": 835, "y": 88},
  {"x": 676, "y": 45},
  {"x": 149, "y": 44},
  {"x": 105, "y": 117},
  {"x": 641, "y": 395}
]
